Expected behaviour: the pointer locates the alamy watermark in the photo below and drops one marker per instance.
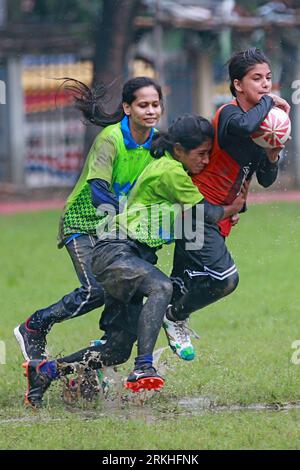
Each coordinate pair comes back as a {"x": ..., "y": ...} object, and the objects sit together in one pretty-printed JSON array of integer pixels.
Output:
[
  {"x": 295, "y": 359},
  {"x": 2, "y": 353},
  {"x": 296, "y": 94},
  {"x": 2, "y": 92},
  {"x": 153, "y": 223}
]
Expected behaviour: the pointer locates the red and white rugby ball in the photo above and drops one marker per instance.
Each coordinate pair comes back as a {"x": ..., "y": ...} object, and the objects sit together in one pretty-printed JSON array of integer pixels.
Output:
[{"x": 274, "y": 131}]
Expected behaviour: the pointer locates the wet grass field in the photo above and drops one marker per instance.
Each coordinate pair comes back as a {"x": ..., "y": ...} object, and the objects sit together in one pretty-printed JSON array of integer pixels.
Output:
[{"x": 241, "y": 392}]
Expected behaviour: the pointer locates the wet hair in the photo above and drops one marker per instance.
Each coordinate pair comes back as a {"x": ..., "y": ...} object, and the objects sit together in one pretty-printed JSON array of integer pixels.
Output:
[
  {"x": 188, "y": 130},
  {"x": 90, "y": 101},
  {"x": 241, "y": 62}
]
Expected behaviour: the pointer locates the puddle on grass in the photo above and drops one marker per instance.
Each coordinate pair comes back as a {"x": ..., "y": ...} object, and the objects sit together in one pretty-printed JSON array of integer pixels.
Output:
[
  {"x": 142, "y": 410},
  {"x": 201, "y": 405},
  {"x": 114, "y": 401}
]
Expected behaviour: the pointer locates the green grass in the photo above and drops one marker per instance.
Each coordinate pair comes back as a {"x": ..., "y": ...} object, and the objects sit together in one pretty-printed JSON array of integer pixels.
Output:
[
  {"x": 222, "y": 431},
  {"x": 244, "y": 355}
]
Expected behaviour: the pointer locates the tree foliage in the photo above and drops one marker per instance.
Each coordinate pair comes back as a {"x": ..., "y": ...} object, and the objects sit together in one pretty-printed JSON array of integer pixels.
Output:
[
  {"x": 53, "y": 10},
  {"x": 252, "y": 5}
]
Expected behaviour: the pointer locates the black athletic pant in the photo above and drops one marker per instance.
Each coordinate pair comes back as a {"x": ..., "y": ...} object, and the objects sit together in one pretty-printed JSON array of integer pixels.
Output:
[
  {"x": 201, "y": 277},
  {"x": 87, "y": 297},
  {"x": 125, "y": 270},
  {"x": 198, "y": 292},
  {"x": 116, "y": 350}
]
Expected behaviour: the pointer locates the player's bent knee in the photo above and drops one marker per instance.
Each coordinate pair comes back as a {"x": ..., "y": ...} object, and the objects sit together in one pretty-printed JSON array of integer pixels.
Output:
[{"x": 231, "y": 283}]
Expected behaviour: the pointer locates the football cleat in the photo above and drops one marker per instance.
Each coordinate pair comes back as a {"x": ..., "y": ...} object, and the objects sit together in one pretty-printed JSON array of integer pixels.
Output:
[
  {"x": 145, "y": 378},
  {"x": 179, "y": 339},
  {"x": 32, "y": 343},
  {"x": 37, "y": 383}
]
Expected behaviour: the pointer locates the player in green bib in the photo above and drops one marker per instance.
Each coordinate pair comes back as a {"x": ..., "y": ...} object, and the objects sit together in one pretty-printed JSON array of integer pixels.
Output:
[
  {"x": 117, "y": 157},
  {"x": 124, "y": 258}
]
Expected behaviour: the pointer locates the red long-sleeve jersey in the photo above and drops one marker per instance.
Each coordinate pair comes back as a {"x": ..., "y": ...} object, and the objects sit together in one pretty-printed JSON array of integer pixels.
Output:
[{"x": 235, "y": 157}]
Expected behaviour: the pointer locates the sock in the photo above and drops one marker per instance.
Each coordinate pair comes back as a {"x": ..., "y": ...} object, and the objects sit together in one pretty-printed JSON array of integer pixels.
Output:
[
  {"x": 50, "y": 369},
  {"x": 174, "y": 314},
  {"x": 30, "y": 326},
  {"x": 143, "y": 360},
  {"x": 170, "y": 314}
]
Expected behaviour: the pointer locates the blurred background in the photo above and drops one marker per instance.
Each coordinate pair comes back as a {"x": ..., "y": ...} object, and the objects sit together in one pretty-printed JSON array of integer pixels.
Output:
[{"x": 185, "y": 44}]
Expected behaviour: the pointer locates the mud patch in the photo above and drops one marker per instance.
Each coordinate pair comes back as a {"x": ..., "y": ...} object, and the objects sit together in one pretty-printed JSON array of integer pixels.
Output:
[
  {"x": 100, "y": 396},
  {"x": 201, "y": 405},
  {"x": 141, "y": 409}
]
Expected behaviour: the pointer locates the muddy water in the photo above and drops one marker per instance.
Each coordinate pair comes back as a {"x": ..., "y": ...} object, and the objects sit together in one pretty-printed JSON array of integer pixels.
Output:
[
  {"x": 117, "y": 402},
  {"x": 200, "y": 405}
]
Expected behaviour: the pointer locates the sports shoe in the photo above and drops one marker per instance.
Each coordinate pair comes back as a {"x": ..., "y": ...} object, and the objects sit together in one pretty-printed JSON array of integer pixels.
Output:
[
  {"x": 37, "y": 383},
  {"x": 145, "y": 378},
  {"x": 32, "y": 343},
  {"x": 178, "y": 335}
]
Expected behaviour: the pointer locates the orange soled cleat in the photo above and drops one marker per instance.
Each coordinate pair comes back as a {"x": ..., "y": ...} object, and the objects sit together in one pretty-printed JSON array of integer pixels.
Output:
[{"x": 145, "y": 378}]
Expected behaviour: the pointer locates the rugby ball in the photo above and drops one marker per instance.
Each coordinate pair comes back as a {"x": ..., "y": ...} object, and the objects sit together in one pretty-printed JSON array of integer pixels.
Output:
[{"x": 274, "y": 131}]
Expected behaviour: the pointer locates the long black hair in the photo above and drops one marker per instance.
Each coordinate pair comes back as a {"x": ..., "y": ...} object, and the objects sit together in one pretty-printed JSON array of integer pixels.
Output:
[
  {"x": 241, "y": 62},
  {"x": 90, "y": 101},
  {"x": 188, "y": 130}
]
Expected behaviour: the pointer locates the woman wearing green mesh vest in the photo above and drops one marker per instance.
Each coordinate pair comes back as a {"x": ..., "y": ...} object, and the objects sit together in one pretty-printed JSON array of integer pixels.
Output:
[{"x": 117, "y": 157}]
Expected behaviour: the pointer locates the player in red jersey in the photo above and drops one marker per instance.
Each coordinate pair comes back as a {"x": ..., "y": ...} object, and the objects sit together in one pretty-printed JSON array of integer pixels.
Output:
[{"x": 201, "y": 277}]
